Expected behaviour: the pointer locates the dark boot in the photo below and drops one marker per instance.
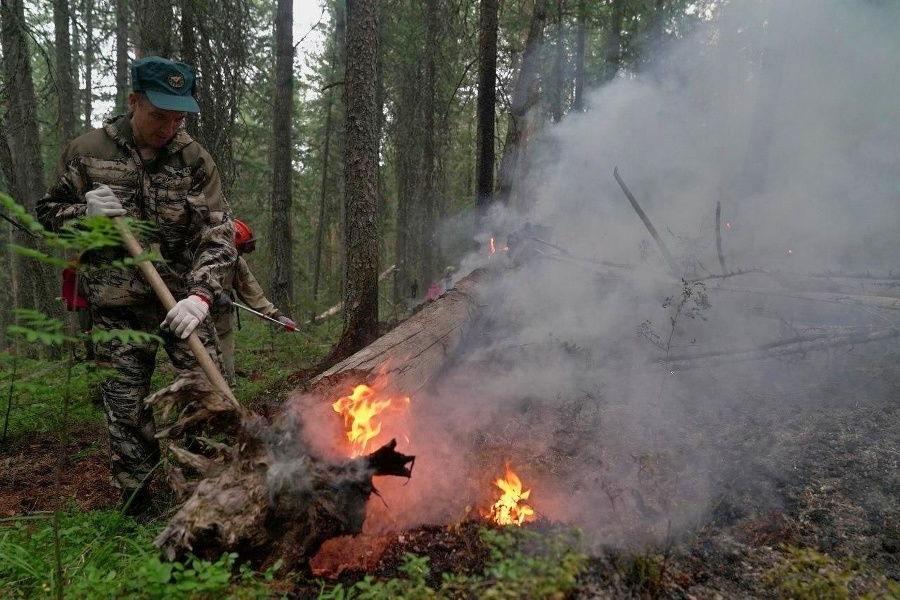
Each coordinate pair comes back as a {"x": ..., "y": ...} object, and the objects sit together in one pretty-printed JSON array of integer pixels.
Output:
[{"x": 137, "y": 503}]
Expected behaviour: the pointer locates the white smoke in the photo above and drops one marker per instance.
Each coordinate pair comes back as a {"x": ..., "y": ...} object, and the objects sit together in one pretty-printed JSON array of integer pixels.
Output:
[{"x": 787, "y": 114}]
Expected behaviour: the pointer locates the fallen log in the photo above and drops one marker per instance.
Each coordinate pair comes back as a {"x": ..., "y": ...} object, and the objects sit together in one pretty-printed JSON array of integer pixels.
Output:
[{"x": 411, "y": 354}]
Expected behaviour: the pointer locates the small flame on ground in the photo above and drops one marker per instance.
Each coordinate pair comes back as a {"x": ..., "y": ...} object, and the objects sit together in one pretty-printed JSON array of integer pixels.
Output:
[
  {"x": 493, "y": 248},
  {"x": 509, "y": 508},
  {"x": 360, "y": 410}
]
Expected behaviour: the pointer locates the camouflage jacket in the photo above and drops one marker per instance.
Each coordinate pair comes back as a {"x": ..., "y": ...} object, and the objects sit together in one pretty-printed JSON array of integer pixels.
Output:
[
  {"x": 248, "y": 291},
  {"x": 179, "y": 192}
]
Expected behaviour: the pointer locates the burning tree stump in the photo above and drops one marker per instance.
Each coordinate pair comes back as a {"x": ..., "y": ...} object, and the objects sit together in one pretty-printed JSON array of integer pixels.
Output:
[{"x": 265, "y": 493}]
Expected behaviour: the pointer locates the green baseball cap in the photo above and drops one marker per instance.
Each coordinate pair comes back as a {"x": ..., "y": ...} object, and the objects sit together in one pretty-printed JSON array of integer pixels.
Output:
[{"x": 169, "y": 85}]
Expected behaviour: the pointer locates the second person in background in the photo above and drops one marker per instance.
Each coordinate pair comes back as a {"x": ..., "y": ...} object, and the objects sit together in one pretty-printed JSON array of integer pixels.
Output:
[{"x": 243, "y": 286}]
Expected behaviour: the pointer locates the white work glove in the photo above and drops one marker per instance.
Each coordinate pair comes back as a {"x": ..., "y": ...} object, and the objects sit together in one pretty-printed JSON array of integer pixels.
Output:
[
  {"x": 288, "y": 323},
  {"x": 102, "y": 202},
  {"x": 184, "y": 317}
]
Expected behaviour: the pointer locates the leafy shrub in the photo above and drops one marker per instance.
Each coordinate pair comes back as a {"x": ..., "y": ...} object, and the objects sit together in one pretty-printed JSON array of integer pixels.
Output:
[{"x": 808, "y": 574}]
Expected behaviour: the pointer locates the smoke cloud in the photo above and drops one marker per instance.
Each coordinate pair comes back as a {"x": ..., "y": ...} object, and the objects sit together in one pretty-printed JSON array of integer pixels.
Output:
[{"x": 784, "y": 112}]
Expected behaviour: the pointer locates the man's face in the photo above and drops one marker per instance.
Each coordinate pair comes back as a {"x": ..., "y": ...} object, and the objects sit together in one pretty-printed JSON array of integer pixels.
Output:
[{"x": 153, "y": 127}]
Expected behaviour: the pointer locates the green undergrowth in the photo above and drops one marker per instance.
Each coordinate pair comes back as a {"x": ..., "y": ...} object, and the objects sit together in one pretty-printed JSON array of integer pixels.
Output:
[
  {"x": 103, "y": 554},
  {"x": 32, "y": 392},
  {"x": 265, "y": 355}
]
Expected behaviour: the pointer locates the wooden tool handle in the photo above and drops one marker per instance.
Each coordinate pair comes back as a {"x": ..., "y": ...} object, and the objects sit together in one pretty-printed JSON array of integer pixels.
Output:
[{"x": 168, "y": 301}]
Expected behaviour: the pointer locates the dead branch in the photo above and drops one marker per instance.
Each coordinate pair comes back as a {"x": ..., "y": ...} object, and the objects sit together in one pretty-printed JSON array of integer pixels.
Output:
[
  {"x": 337, "y": 308},
  {"x": 796, "y": 345},
  {"x": 637, "y": 208}
]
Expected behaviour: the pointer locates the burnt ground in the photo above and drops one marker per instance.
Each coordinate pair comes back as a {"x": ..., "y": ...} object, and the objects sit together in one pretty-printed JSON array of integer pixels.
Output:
[
  {"x": 801, "y": 496},
  {"x": 813, "y": 467}
]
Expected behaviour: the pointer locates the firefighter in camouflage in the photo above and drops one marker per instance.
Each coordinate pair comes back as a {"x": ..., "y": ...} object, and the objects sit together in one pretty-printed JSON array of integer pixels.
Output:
[
  {"x": 145, "y": 165},
  {"x": 241, "y": 285}
]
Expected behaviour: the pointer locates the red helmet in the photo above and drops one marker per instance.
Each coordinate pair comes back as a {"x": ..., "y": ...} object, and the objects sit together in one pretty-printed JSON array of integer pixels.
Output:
[{"x": 242, "y": 233}]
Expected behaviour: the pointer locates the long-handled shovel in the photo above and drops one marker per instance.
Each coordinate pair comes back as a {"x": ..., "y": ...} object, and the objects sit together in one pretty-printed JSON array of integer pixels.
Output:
[{"x": 168, "y": 301}]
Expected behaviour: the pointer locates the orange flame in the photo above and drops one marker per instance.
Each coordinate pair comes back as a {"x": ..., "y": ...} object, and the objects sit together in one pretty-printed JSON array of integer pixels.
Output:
[
  {"x": 493, "y": 248},
  {"x": 509, "y": 508},
  {"x": 359, "y": 410}
]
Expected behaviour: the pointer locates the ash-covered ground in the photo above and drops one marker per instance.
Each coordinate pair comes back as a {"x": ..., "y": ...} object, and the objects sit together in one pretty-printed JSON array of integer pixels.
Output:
[{"x": 719, "y": 473}]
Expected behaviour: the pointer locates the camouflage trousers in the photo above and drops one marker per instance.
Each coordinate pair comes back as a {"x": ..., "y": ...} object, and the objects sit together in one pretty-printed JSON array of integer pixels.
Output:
[
  {"x": 224, "y": 322},
  {"x": 133, "y": 448}
]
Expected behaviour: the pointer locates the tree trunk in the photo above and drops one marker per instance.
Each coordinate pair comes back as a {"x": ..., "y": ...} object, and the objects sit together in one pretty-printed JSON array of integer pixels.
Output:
[
  {"x": 559, "y": 66},
  {"x": 88, "y": 64},
  {"x": 65, "y": 79},
  {"x": 153, "y": 28},
  {"x": 331, "y": 209},
  {"x": 524, "y": 97},
  {"x": 341, "y": 11},
  {"x": 613, "y": 58},
  {"x": 26, "y": 179},
  {"x": 281, "y": 239},
  {"x": 578, "y": 100},
  {"x": 427, "y": 269},
  {"x": 189, "y": 49},
  {"x": 487, "y": 100},
  {"x": 121, "y": 57},
  {"x": 212, "y": 39},
  {"x": 408, "y": 167},
  {"x": 385, "y": 212},
  {"x": 323, "y": 191},
  {"x": 360, "y": 167}
]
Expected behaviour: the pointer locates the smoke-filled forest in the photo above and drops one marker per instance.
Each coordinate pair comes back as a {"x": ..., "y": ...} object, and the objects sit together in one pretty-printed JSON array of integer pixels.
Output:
[{"x": 585, "y": 299}]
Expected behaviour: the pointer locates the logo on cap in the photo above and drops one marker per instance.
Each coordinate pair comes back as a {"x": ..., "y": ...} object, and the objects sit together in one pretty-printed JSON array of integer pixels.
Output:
[{"x": 176, "y": 80}]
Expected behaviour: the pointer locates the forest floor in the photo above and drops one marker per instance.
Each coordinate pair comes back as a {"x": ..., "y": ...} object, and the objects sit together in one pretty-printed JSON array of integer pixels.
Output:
[{"x": 808, "y": 506}]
